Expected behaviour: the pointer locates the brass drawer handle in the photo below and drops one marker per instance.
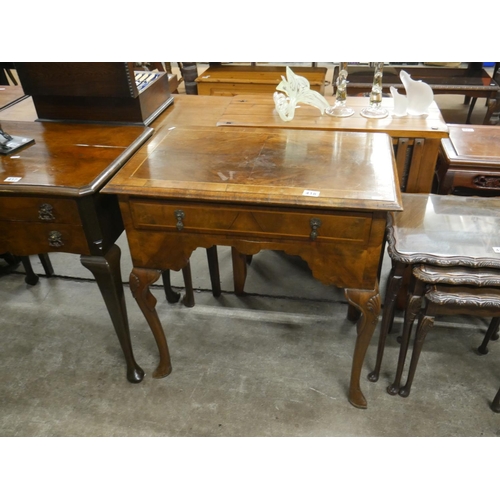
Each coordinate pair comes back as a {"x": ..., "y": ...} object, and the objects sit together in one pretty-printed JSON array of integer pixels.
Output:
[
  {"x": 55, "y": 239},
  {"x": 45, "y": 212},
  {"x": 315, "y": 224},
  {"x": 179, "y": 215}
]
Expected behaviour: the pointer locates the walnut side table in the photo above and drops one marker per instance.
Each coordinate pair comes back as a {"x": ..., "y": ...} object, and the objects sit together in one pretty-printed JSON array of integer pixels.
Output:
[{"x": 256, "y": 189}]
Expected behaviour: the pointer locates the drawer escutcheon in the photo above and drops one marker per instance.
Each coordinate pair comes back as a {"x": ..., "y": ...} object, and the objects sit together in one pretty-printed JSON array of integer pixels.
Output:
[{"x": 55, "y": 239}]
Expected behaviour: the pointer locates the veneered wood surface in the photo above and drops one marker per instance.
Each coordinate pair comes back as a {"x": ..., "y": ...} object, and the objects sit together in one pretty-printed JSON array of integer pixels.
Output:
[
  {"x": 67, "y": 159},
  {"x": 275, "y": 167},
  {"x": 473, "y": 144},
  {"x": 258, "y": 111}
]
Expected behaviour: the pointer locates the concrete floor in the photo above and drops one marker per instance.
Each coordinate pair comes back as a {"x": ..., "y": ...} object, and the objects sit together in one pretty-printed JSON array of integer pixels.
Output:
[{"x": 274, "y": 363}]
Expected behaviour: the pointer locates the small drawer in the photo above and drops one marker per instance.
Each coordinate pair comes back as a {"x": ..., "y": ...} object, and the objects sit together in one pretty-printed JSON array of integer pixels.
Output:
[
  {"x": 39, "y": 209},
  {"x": 21, "y": 238},
  {"x": 252, "y": 222}
]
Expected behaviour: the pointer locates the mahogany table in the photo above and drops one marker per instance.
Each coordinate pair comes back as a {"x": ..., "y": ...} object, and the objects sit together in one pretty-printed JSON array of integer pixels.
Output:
[
  {"x": 50, "y": 201},
  {"x": 469, "y": 160},
  {"x": 455, "y": 233},
  {"x": 323, "y": 196}
]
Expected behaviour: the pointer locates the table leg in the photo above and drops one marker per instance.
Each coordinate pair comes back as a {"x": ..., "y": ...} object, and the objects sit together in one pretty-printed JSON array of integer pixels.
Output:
[
  {"x": 368, "y": 303},
  {"x": 213, "y": 267},
  {"x": 413, "y": 307},
  {"x": 495, "y": 404},
  {"x": 425, "y": 323},
  {"x": 106, "y": 270},
  {"x": 140, "y": 280},
  {"x": 239, "y": 271},
  {"x": 188, "y": 299},
  {"x": 31, "y": 276},
  {"x": 393, "y": 286},
  {"x": 172, "y": 297}
]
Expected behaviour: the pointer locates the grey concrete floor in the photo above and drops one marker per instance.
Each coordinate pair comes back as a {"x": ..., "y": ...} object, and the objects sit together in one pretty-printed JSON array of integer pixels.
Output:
[{"x": 273, "y": 363}]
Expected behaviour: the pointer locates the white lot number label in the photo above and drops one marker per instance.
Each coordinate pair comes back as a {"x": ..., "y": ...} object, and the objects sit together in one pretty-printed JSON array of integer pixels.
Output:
[
  {"x": 308, "y": 192},
  {"x": 12, "y": 179}
]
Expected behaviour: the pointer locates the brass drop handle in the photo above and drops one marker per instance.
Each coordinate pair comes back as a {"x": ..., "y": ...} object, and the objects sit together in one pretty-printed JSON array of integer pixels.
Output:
[
  {"x": 45, "y": 212},
  {"x": 179, "y": 215},
  {"x": 55, "y": 239},
  {"x": 315, "y": 224}
]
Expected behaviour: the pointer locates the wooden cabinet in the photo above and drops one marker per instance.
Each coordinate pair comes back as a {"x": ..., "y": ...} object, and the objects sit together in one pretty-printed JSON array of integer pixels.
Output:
[{"x": 98, "y": 92}]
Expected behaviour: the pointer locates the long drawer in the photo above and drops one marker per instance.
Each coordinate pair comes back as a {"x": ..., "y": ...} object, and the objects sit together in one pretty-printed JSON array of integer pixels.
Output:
[{"x": 250, "y": 221}]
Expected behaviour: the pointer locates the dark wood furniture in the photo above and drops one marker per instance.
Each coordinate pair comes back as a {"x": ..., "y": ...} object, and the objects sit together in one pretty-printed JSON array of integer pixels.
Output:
[
  {"x": 446, "y": 291},
  {"x": 472, "y": 81},
  {"x": 469, "y": 161},
  {"x": 97, "y": 92},
  {"x": 11, "y": 96},
  {"x": 233, "y": 79},
  {"x": 315, "y": 194},
  {"x": 50, "y": 200},
  {"x": 442, "y": 231},
  {"x": 416, "y": 140}
]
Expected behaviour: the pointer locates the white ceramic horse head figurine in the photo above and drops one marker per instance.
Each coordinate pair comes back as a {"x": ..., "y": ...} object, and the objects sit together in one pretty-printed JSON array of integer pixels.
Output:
[{"x": 419, "y": 95}]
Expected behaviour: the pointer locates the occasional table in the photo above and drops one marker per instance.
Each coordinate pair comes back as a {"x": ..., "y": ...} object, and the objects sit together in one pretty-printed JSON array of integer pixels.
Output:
[
  {"x": 442, "y": 231},
  {"x": 469, "y": 160},
  {"x": 323, "y": 196},
  {"x": 50, "y": 201}
]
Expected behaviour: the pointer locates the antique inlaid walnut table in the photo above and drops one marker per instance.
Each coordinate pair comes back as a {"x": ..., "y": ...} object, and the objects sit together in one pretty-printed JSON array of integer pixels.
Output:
[
  {"x": 321, "y": 195},
  {"x": 50, "y": 201}
]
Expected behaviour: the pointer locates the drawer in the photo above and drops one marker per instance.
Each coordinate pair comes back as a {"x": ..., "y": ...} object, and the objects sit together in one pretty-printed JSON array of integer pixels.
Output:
[
  {"x": 282, "y": 223},
  {"x": 41, "y": 209},
  {"x": 23, "y": 238}
]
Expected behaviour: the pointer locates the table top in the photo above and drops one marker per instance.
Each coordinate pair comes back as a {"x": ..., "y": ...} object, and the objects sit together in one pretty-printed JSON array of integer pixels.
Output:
[
  {"x": 446, "y": 231},
  {"x": 54, "y": 163},
  {"x": 272, "y": 167},
  {"x": 472, "y": 144},
  {"x": 258, "y": 111}
]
